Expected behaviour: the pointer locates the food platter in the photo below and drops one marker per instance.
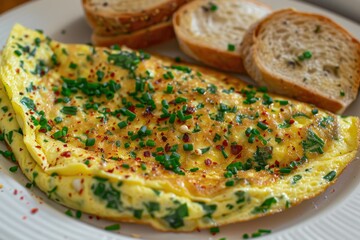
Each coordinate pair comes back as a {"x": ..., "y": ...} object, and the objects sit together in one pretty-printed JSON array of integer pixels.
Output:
[{"x": 29, "y": 214}]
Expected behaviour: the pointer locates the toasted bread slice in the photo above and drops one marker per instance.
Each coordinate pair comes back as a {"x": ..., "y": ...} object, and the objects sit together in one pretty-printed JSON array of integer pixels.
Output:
[
  {"x": 304, "y": 56},
  {"x": 140, "y": 39},
  {"x": 125, "y": 16},
  {"x": 211, "y": 31}
]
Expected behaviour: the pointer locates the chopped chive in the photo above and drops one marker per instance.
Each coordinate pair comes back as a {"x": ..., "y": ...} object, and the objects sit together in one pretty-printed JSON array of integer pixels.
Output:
[
  {"x": 90, "y": 142},
  {"x": 296, "y": 178},
  {"x": 150, "y": 143},
  {"x": 214, "y": 230},
  {"x": 224, "y": 153},
  {"x": 285, "y": 170},
  {"x": 314, "y": 111},
  {"x": 13, "y": 169},
  {"x": 231, "y": 47},
  {"x": 180, "y": 100},
  {"x": 264, "y": 231},
  {"x": 58, "y": 120},
  {"x": 69, "y": 213},
  {"x": 18, "y": 53},
  {"x": 305, "y": 55},
  {"x": 78, "y": 214},
  {"x": 100, "y": 75},
  {"x": 182, "y": 68},
  {"x": 230, "y": 183},
  {"x": 37, "y": 41},
  {"x": 122, "y": 124},
  {"x": 127, "y": 166},
  {"x": 113, "y": 227},
  {"x": 205, "y": 150},
  {"x": 213, "y": 7},
  {"x": 69, "y": 110},
  {"x": 262, "y": 126},
  {"x": 172, "y": 118},
  {"x": 330, "y": 176},
  {"x": 73, "y": 65},
  {"x": 194, "y": 169},
  {"x": 188, "y": 147},
  {"x": 169, "y": 89},
  {"x": 283, "y": 102}
]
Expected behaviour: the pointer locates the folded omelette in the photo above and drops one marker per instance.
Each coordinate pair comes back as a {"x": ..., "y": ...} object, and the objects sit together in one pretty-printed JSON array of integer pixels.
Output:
[{"x": 128, "y": 136}]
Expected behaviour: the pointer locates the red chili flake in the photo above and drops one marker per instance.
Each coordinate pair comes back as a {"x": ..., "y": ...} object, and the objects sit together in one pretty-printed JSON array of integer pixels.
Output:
[
  {"x": 164, "y": 138},
  {"x": 225, "y": 143},
  {"x": 219, "y": 147},
  {"x": 147, "y": 154},
  {"x": 162, "y": 119},
  {"x": 34, "y": 210},
  {"x": 167, "y": 147},
  {"x": 38, "y": 147},
  {"x": 186, "y": 137},
  {"x": 291, "y": 121},
  {"x": 208, "y": 162},
  {"x": 277, "y": 163},
  {"x": 112, "y": 74},
  {"x": 15, "y": 192},
  {"x": 190, "y": 110},
  {"x": 66, "y": 154},
  {"x": 132, "y": 109},
  {"x": 17, "y": 70},
  {"x": 236, "y": 149},
  {"x": 42, "y": 130}
]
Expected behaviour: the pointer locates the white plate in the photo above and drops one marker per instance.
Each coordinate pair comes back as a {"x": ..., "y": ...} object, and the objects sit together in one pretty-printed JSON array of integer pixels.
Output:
[{"x": 333, "y": 215}]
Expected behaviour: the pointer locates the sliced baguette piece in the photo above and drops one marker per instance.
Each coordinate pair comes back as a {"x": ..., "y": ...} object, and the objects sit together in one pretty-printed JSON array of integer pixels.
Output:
[
  {"x": 140, "y": 39},
  {"x": 211, "y": 31},
  {"x": 113, "y": 17},
  {"x": 304, "y": 56}
]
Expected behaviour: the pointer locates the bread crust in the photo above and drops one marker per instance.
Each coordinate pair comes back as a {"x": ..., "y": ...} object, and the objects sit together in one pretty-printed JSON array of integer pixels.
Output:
[
  {"x": 139, "y": 39},
  {"x": 258, "y": 72},
  {"x": 107, "y": 23},
  {"x": 210, "y": 55}
]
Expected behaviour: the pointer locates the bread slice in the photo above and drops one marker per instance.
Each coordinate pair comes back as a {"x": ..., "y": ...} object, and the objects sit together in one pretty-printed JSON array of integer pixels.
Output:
[
  {"x": 140, "y": 39},
  {"x": 125, "y": 16},
  {"x": 304, "y": 56},
  {"x": 211, "y": 30}
]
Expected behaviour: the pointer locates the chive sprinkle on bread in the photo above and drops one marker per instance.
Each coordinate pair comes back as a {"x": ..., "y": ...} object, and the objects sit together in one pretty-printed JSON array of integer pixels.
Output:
[
  {"x": 304, "y": 56},
  {"x": 113, "y": 17},
  {"x": 211, "y": 31}
]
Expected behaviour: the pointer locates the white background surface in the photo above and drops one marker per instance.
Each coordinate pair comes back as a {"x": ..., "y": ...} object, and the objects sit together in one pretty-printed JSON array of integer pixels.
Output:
[{"x": 333, "y": 215}]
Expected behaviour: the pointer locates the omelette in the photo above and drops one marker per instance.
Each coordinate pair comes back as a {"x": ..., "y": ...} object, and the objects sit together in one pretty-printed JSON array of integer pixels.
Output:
[{"x": 134, "y": 137}]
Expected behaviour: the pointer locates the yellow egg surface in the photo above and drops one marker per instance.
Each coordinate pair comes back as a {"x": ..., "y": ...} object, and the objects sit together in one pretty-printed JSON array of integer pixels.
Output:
[{"x": 133, "y": 137}]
